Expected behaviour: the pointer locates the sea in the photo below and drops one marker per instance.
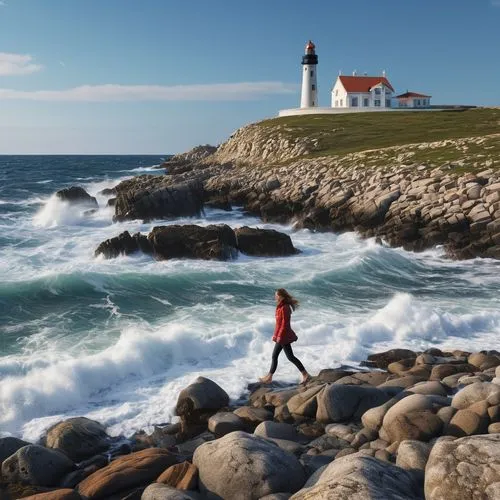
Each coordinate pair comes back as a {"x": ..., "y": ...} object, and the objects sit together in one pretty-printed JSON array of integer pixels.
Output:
[{"x": 116, "y": 340}]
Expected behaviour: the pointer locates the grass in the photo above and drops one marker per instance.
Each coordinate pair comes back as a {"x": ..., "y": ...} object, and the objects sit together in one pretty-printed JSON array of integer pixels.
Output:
[{"x": 348, "y": 133}]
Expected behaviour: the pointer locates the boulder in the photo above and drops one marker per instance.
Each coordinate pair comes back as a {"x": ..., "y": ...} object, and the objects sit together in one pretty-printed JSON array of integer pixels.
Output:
[
  {"x": 305, "y": 403},
  {"x": 76, "y": 195},
  {"x": 36, "y": 465},
  {"x": 264, "y": 242},
  {"x": 242, "y": 466},
  {"x": 473, "y": 420},
  {"x": 157, "y": 491},
  {"x": 158, "y": 201},
  {"x": 277, "y": 496},
  {"x": 439, "y": 372},
  {"x": 414, "y": 417},
  {"x": 276, "y": 430},
  {"x": 79, "y": 438},
  {"x": 9, "y": 445},
  {"x": 356, "y": 477},
  {"x": 213, "y": 242},
  {"x": 182, "y": 476},
  {"x": 330, "y": 375},
  {"x": 374, "y": 417},
  {"x": 253, "y": 415},
  {"x": 464, "y": 469},
  {"x": 402, "y": 382},
  {"x": 368, "y": 378},
  {"x": 342, "y": 431},
  {"x": 280, "y": 396},
  {"x": 479, "y": 391},
  {"x": 430, "y": 387},
  {"x": 130, "y": 471},
  {"x": 123, "y": 244},
  {"x": 413, "y": 455},
  {"x": 223, "y": 423},
  {"x": 384, "y": 359},
  {"x": 200, "y": 400},
  {"x": 342, "y": 402},
  {"x": 63, "y": 494}
]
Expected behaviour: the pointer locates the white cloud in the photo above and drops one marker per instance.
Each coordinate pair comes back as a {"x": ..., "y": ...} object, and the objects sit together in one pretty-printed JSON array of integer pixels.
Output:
[
  {"x": 3, "y": 3},
  {"x": 113, "y": 92},
  {"x": 17, "y": 64}
]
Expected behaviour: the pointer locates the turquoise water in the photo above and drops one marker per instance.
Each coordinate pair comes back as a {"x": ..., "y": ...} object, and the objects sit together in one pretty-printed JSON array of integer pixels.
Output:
[{"x": 116, "y": 340}]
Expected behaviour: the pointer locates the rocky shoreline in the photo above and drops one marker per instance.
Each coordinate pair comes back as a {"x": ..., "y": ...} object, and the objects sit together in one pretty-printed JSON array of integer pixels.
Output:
[
  {"x": 404, "y": 425},
  {"x": 402, "y": 204}
]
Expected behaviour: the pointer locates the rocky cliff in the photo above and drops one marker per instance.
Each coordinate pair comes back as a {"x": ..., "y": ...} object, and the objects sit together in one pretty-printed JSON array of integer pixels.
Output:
[{"x": 327, "y": 174}]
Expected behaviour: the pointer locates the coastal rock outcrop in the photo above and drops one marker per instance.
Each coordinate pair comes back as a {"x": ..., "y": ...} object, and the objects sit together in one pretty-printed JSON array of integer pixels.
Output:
[
  {"x": 213, "y": 242},
  {"x": 124, "y": 244},
  {"x": 264, "y": 242},
  {"x": 76, "y": 195},
  {"x": 241, "y": 466},
  {"x": 159, "y": 201}
]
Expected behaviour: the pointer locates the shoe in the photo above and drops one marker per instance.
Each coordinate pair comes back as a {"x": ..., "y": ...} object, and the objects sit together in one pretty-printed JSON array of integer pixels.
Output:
[
  {"x": 265, "y": 380},
  {"x": 306, "y": 380}
]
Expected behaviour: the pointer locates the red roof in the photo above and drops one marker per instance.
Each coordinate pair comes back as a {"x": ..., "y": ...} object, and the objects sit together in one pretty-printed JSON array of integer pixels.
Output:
[
  {"x": 411, "y": 94},
  {"x": 363, "y": 83},
  {"x": 310, "y": 45}
]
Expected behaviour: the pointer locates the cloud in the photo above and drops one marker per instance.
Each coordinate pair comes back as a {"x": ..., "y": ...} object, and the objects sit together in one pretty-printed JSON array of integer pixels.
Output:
[
  {"x": 3, "y": 3},
  {"x": 17, "y": 64},
  {"x": 113, "y": 92},
  {"x": 495, "y": 3}
]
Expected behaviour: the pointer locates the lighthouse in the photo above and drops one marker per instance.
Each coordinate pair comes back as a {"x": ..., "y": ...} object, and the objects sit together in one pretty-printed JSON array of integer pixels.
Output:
[{"x": 309, "y": 95}]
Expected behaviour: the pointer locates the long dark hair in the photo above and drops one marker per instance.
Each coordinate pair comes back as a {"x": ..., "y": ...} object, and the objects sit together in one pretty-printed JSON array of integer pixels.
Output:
[{"x": 287, "y": 298}]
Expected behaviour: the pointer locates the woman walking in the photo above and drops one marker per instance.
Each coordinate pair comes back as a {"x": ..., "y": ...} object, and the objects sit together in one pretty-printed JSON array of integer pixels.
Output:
[{"x": 284, "y": 335}]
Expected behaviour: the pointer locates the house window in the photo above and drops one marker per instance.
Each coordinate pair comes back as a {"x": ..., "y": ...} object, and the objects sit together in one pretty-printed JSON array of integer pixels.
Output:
[
  {"x": 337, "y": 93},
  {"x": 312, "y": 73},
  {"x": 387, "y": 103},
  {"x": 366, "y": 102},
  {"x": 313, "y": 87},
  {"x": 377, "y": 91},
  {"x": 418, "y": 102},
  {"x": 354, "y": 102},
  {"x": 341, "y": 102},
  {"x": 377, "y": 103}
]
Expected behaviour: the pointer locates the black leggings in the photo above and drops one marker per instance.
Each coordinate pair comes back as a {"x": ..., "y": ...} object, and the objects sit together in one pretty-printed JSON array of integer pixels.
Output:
[{"x": 289, "y": 354}]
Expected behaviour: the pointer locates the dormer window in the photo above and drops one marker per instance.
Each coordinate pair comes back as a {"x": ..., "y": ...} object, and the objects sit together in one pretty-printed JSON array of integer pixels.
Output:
[{"x": 377, "y": 91}]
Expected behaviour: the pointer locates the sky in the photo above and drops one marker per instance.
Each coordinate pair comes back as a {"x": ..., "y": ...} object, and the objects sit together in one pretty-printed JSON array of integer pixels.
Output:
[{"x": 162, "y": 76}]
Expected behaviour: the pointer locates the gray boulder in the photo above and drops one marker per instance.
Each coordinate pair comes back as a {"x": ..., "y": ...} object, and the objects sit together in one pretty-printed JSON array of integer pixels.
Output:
[
  {"x": 464, "y": 469},
  {"x": 253, "y": 415},
  {"x": 223, "y": 423},
  {"x": 123, "y": 244},
  {"x": 36, "y": 465},
  {"x": 200, "y": 399},
  {"x": 242, "y": 466},
  {"x": 342, "y": 402},
  {"x": 158, "y": 491},
  {"x": 276, "y": 430},
  {"x": 78, "y": 438},
  {"x": 361, "y": 478}
]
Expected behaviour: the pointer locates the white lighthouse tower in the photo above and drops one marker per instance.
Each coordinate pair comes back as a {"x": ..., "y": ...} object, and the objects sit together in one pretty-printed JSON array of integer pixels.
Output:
[{"x": 309, "y": 95}]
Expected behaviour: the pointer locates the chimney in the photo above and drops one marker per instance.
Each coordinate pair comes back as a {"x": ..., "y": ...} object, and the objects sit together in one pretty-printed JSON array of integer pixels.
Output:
[
  {"x": 383, "y": 73},
  {"x": 354, "y": 73}
]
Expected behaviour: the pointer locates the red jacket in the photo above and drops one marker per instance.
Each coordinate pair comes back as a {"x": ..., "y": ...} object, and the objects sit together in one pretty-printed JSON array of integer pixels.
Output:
[{"x": 283, "y": 333}]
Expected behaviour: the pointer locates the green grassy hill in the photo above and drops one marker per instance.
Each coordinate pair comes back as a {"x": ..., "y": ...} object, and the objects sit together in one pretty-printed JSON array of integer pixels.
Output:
[{"x": 346, "y": 133}]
